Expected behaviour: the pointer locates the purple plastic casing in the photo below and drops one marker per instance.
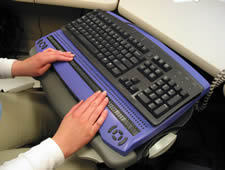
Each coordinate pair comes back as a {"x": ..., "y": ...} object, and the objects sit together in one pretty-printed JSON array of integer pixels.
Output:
[{"x": 80, "y": 88}]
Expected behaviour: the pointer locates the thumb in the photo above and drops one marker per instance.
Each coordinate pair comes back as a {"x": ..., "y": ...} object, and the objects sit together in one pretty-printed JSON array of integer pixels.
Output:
[{"x": 43, "y": 69}]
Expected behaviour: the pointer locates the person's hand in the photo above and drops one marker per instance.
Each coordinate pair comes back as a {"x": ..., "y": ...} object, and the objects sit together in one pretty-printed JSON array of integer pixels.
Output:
[
  {"x": 81, "y": 123},
  {"x": 39, "y": 63}
]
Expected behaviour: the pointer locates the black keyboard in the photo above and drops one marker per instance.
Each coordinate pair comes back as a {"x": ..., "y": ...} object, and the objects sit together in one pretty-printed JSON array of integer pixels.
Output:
[{"x": 146, "y": 75}]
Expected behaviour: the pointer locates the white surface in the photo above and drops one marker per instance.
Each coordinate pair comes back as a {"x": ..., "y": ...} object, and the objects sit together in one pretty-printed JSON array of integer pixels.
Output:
[
  {"x": 88, "y": 4},
  {"x": 18, "y": 84},
  {"x": 195, "y": 29}
]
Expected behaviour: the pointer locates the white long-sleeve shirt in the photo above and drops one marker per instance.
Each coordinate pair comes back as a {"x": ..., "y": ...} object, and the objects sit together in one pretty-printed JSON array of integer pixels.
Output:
[
  {"x": 6, "y": 67},
  {"x": 45, "y": 156}
]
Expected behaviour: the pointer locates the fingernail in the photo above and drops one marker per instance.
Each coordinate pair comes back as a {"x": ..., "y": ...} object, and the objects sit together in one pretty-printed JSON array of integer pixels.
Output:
[
  {"x": 104, "y": 92},
  {"x": 70, "y": 59},
  {"x": 80, "y": 101}
]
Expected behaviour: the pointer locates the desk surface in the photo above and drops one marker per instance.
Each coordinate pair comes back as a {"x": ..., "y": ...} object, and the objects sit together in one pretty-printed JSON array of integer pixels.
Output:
[
  {"x": 87, "y": 4},
  {"x": 195, "y": 30}
]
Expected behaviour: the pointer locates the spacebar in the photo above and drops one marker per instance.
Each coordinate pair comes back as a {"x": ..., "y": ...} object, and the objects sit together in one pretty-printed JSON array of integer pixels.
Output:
[{"x": 86, "y": 43}]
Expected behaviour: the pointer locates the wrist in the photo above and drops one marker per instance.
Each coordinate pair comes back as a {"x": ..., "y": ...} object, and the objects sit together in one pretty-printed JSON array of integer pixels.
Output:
[
  {"x": 17, "y": 68},
  {"x": 62, "y": 146}
]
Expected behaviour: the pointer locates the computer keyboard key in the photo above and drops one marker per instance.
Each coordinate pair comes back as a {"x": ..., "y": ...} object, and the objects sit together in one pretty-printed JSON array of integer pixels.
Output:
[
  {"x": 183, "y": 93},
  {"x": 135, "y": 80},
  {"x": 166, "y": 67},
  {"x": 152, "y": 96},
  {"x": 177, "y": 88},
  {"x": 134, "y": 60},
  {"x": 158, "y": 101},
  {"x": 128, "y": 83},
  {"x": 151, "y": 106},
  {"x": 160, "y": 110},
  {"x": 133, "y": 89},
  {"x": 141, "y": 68},
  {"x": 147, "y": 63},
  {"x": 171, "y": 92},
  {"x": 128, "y": 55},
  {"x": 118, "y": 64},
  {"x": 131, "y": 49},
  {"x": 116, "y": 71},
  {"x": 139, "y": 55},
  {"x": 165, "y": 87},
  {"x": 160, "y": 83},
  {"x": 110, "y": 66},
  {"x": 152, "y": 77},
  {"x": 165, "y": 97},
  {"x": 127, "y": 62},
  {"x": 105, "y": 61},
  {"x": 174, "y": 100},
  {"x": 159, "y": 92},
  {"x": 144, "y": 49},
  {"x": 147, "y": 91},
  {"x": 172, "y": 83},
  {"x": 152, "y": 67},
  {"x": 111, "y": 57},
  {"x": 123, "y": 79},
  {"x": 143, "y": 98}
]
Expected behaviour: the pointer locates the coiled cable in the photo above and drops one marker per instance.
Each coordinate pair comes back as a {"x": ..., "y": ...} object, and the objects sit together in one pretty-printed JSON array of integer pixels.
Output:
[{"x": 217, "y": 81}]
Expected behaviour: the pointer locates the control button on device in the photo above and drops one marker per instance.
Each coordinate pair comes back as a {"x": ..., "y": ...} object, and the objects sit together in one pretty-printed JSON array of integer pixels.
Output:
[
  {"x": 110, "y": 129},
  {"x": 123, "y": 141}
]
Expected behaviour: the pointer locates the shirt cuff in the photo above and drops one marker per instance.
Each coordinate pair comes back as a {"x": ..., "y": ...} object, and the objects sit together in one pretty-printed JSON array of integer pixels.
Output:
[
  {"x": 46, "y": 155},
  {"x": 6, "y": 67}
]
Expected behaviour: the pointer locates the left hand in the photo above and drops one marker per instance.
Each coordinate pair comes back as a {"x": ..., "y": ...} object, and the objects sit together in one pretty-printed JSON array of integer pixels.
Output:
[{"x": 38, "y": 64}]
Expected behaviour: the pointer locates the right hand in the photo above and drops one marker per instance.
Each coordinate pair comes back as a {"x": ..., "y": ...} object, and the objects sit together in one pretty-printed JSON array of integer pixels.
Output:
[{"x": 81, "y": 123}]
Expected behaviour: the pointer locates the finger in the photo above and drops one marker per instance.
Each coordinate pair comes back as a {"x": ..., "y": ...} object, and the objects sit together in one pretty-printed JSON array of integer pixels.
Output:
[
  {"x": 66, "y": 53},
  {"x": 87, "y": 102},
  {"x": 100, "y": 121},
  {"x": 95, "y": 114},
  {"x": 57, "y": 52},
  {"x": 94, "y": 105},
  {"x": 53, "y": 57},
  {"x": 43, "y": 69}
]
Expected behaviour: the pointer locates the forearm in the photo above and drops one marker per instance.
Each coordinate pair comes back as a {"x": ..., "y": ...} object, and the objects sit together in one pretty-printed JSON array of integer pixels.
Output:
[{"x": 46, "y": 155}]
